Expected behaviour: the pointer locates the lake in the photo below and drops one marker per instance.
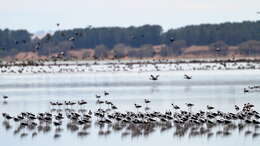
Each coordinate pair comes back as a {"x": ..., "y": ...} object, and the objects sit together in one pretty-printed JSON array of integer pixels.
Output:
[{"x": 221, "y": 89}]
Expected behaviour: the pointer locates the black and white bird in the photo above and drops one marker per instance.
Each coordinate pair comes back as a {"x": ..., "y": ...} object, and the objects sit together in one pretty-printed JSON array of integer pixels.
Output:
[
  {"x": 246, "y": 90},
  {"x": 236, "y": 108},
  {"x": 137, "y": 106},
  {"x": 5, "y": 97},
  {"x": 106, "y": 93},
  {"x": 154, "y": 78},
  {"x": 187, "y": 77}
]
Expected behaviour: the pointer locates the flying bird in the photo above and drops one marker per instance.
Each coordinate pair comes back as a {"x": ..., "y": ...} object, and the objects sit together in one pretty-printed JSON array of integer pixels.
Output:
[
  {"x": 37, "y": 46},
  {"x": 218, "y": 49},
  {"x": 172, "y": 39},
  {"x": 5, "y": 97},
  {"x": 154, "y": 78},
  {"x": 71, "y": 39},
  {"x": 48, "y": 37},
  {"x": 187, "y": 77}
]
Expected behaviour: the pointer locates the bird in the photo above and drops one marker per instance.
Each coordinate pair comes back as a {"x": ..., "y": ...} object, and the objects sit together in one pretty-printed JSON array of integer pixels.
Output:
[
  {"x": 137, "y": 106},
  {"x": 114, "y": 107},
  {"x": 57, "y": 123},
  {"x": 5, "y": 97},
  {"x": 189, "y": 105},
  {"x": 37, "y": 46},
  {"x": 106, "y": 93},
  {"x": 176, "y": 107},
  {"x": 258, "y": 12},
  {"x": 58, "y": 24},
  {"x": 236, "y": 108},
  {"x": 210, "y": 107},
  {"x": 172, "y": 39},
  {"x": 187, "y": 77},
  {"x": 246, "y": 90},
  {"x": 71, "y": 39},
  {"x": 98, "y": 96},
  {"x": 82, "y": 102},
  {"x": 218, "y": 49},
  {"x": 154, "y": 78},
  {"x": 147, "y": 101}
]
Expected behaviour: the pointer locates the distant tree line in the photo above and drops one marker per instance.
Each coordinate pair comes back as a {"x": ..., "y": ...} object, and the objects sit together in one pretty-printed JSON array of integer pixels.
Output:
[{"x": 136, "y": 41}]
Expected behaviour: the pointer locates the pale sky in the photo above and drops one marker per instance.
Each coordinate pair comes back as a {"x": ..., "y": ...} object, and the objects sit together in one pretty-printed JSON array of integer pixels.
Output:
[{"x": 35, "y": 15}]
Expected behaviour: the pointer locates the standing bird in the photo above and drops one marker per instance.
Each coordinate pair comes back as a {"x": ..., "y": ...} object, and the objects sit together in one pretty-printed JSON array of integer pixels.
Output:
[
  {"x": 71, "y": 39},
  {"x": 154, "y": 78},
  {"x": 98, "y": 96},
  {"x": 106, "y": 93},
  {"x": 210, "y": 107},
  {"x": 189, "y": 105},
  {"x": 246, "y": 90},
  {"x": 187, "y": 77},
  {"x": 176, "y": 107},
  {"x": 137, "y": 106},
  {"x": 236, "y": 108},
  {"x": 146, "y": 101}
]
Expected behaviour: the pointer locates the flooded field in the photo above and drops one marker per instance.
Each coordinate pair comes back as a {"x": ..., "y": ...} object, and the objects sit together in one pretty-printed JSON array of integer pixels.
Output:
[{"x": 220, "y": 89}]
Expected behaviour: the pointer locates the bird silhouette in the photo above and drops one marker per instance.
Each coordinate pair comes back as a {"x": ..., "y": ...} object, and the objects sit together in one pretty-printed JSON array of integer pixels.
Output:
[
  {"x": 246, "y": 90},
  {"x": 5, "y": 97},
  {"x": 187, "y": 77},
  {"x": 172, "y": 39},
  {"x": 154, "y": 78}
]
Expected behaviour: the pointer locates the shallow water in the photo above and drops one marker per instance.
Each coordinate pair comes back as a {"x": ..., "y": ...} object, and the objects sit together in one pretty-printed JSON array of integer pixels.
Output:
[{"x": 221, "y": 89}]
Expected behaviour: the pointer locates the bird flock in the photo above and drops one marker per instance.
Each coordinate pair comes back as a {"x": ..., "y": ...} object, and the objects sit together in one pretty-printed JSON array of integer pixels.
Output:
[
  {"x": 78, "y": 118},
  {"x": 118, "y": 66}
]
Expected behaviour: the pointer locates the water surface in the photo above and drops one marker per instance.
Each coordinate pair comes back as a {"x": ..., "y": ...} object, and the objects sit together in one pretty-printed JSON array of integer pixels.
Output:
[{"x": 221, "y": 89}]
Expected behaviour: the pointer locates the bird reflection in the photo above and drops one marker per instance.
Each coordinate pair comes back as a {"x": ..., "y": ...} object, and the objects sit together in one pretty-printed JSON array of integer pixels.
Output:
[
  {"x": 155, "y": 87},
  {"x": 187, "y": 88}
]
